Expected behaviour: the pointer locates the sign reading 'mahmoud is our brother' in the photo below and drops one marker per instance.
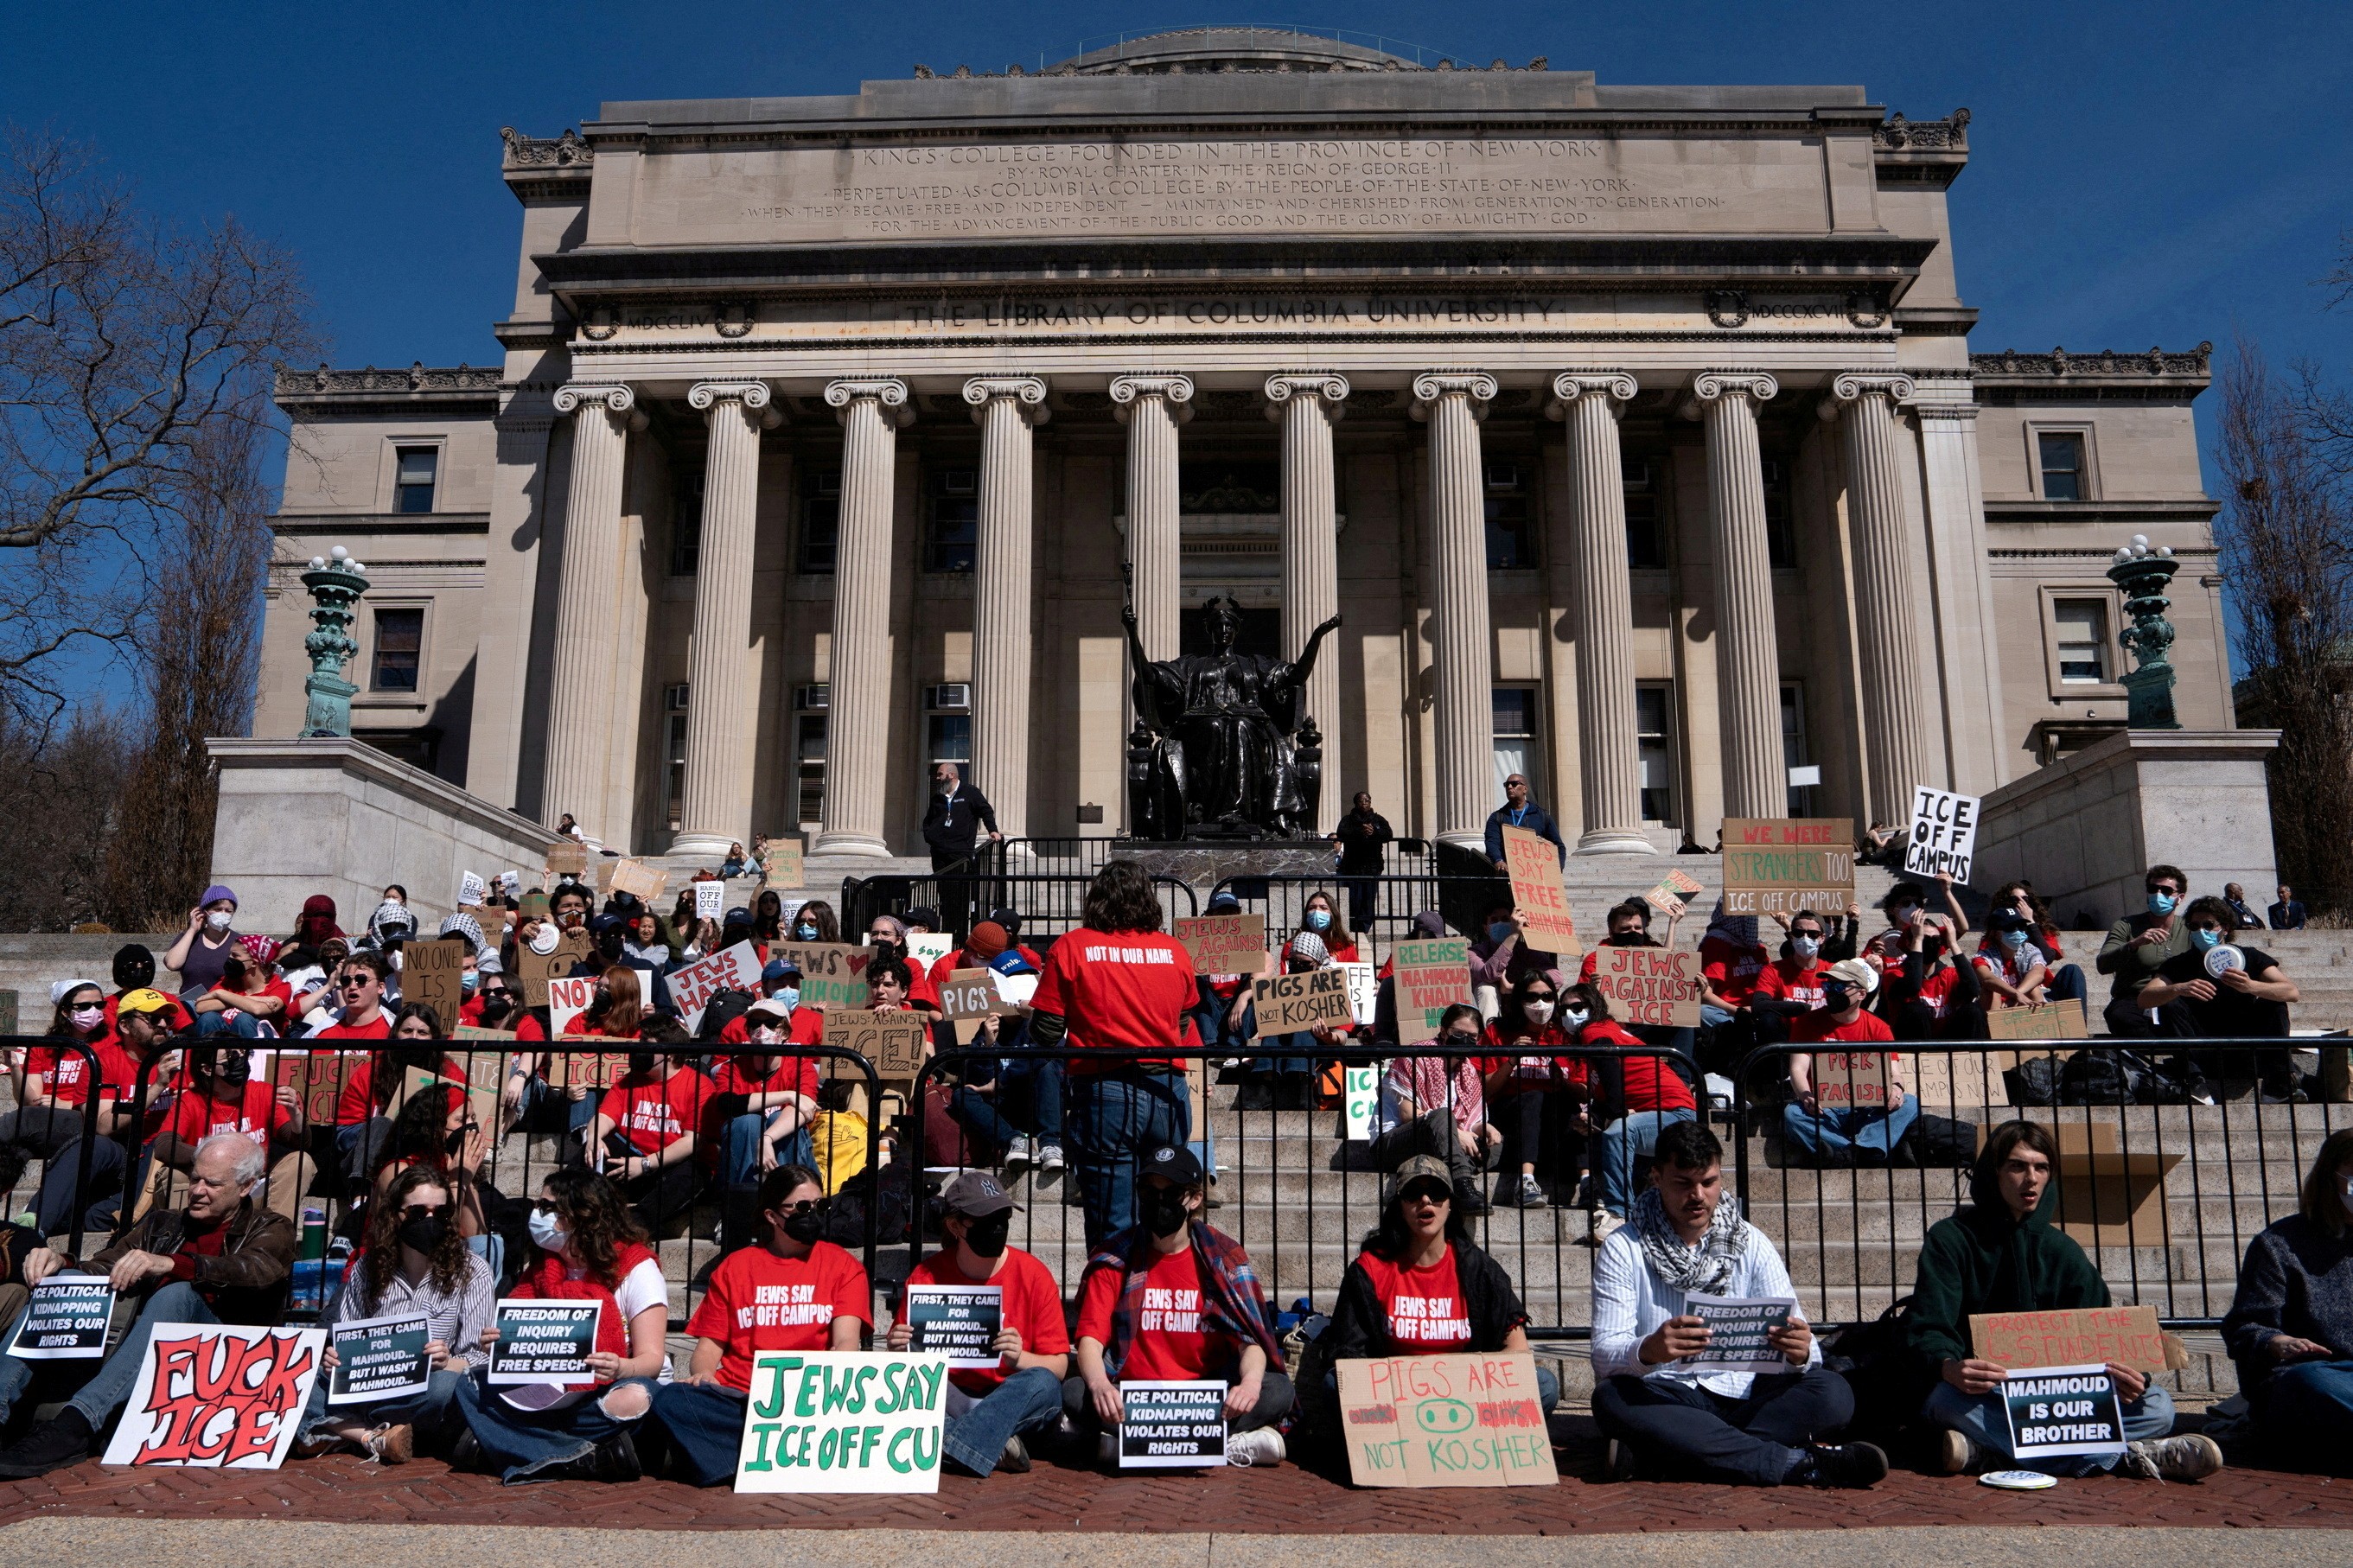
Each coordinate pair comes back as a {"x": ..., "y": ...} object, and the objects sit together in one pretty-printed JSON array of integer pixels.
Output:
[{"x": 1625, "y": 185}]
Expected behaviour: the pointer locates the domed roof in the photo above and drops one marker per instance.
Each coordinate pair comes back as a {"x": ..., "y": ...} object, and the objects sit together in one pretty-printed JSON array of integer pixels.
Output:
[{"x": 1235, "y": 49}]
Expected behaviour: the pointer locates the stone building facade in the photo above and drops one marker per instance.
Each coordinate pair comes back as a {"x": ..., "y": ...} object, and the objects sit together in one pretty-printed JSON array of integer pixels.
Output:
[{"x": 1634, "y": 432}]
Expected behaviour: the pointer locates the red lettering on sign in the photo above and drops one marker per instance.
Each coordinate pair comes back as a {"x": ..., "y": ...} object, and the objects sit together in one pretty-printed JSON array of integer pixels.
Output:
[{"x": 222, "y": 1399}]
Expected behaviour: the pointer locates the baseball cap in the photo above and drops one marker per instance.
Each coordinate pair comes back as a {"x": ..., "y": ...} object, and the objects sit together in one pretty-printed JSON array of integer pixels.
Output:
[
  {"x": 144, "y": 1000},
  {"x": 1854, "y": 971},
  {"x": 1222, "y": 902},
  {"x": 1009, "y": 919},
  {"x": 1420, "y": 1168},
  {"x": 922, "y": 915},
  {"x": 769, "y": 1007},
  {"x": 1010, "y": 962},
  {"x": 1171, "y": 1164},
  {"x": 975, "y": 1194}
]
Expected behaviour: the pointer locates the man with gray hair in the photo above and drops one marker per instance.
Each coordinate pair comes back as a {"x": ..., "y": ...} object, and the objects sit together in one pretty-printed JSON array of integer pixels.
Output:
[{"x": 224, "y": 1258}]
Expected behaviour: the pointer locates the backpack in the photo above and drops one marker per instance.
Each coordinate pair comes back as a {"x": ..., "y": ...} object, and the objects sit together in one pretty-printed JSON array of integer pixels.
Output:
[
  {"x": 2034, "y": 1081},
  {"x": 1936, "y": 1143},
  {"x": 881, "y": 1190},
  {"x": 1890, "y": 1383}
]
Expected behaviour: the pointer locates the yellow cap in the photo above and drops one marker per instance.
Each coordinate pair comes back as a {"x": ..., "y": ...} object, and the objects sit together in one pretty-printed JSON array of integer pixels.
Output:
[{"x": 144, "y": 1000}]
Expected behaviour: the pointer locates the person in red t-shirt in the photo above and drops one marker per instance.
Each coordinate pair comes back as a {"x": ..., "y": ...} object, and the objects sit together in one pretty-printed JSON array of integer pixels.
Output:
[
  {"x": 648, "y": 1129},
  {"x": 1857, "y": 1116},
  {"x": 1632, "y": 1097},
  {"x": 127, "y": 1053},
  {"x": 223, "y": 1096},
  {"x": 1171, "y": 1299},
  {"x": 1536, "y": 1094},
  {"x": 1792, "y": 986},
  {"x": 759, "y": 1116},
  {"x": 249, "y": 1001},
  {"x": 795, "y": 1291},
  {"x": 1116, "y": 982},
  {"x": 53, "y": 1083},
  {"x": 989, "y": 1407},
  {"x": 1731, "y": 959}
]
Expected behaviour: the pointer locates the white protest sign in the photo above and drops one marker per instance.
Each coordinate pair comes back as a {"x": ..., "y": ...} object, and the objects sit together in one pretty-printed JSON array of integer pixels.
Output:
[
  {"x": 1359, "y": 1093},
  {"x": 219, "y": 1394},
  {"x": 67, "y": 1319},
  {"x": 928, "y": 947},
  {"x": 1364, "y": 991},
  {"x": 1172, "y": 1425},
  {"x": 566, "y": 1000},
  {"x": 734, "y": 968},
  {"x": 840, "y": 1421},
  {"x": 710, "y": 900},
  {"x": 1943, "y": 837},
  {"x": 471, "y": 890}
]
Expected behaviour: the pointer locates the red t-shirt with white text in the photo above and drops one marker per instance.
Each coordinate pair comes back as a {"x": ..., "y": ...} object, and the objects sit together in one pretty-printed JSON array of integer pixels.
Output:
[
  {"x": 758, "y": 1301},
  {"x": 1168, "y": 1343},
  {"x": 1423, "y": 1307},
  {"x": 1032, "y": 1303},
  {"x": 259, "y": 1116},
  {"x": 654, "y": 1113},
  {"x": 1115, "y": 989}
]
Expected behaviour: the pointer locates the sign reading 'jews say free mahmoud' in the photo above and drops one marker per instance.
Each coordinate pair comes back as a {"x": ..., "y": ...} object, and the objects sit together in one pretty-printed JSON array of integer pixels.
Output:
[
  {"x": 1780, "y": 865},
  {"x": 1459, "y": 1420},
  {"x": 842, "y": 1421},
  {"x": 1539, "y": 898}
]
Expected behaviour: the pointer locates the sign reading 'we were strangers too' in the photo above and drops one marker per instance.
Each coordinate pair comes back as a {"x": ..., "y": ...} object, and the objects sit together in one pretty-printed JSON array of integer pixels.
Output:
[{"x": 1780, "y": 865}]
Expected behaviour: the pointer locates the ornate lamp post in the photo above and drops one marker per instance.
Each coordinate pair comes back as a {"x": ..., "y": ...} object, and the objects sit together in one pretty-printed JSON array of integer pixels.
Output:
[
  {"x": 2145, "y": 575},
  {"x": 336, "y": 585}
]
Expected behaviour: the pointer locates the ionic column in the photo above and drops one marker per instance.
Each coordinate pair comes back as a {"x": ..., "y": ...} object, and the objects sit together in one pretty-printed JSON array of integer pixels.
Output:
[
  {"x": 1894, "y": 725},
  {"x": 1610, "y": 761},
  {"x": 1308, "y": 405},
  {"x": 859, "y": 706},
  {"x": 586, "y": 655},
  {"x": 1005, "y": 408},
  {"x": 1453, "y": 402},
  {"x": 1152, "y": 406},
  {"x": 1748, "y": 651},
  {"x": 716, "y": 807}
]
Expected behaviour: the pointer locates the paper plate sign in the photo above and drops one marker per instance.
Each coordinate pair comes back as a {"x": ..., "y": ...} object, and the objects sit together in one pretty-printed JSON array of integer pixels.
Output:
[
  {"x": 1171, "y": 1425},
  {"x": 219, "y": 1395},
  {"x": 67, "y": 1319},
  {"x": 839, "y": 1421},
  {"x": 1445, "y": 1421},
  {"x": 2220, "y": 961},
  {"x": 2059, "y": 1410}
]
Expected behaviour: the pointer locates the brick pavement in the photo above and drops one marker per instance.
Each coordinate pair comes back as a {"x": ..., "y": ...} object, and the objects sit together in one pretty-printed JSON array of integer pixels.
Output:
[{"x": 1289, "y": 1499}]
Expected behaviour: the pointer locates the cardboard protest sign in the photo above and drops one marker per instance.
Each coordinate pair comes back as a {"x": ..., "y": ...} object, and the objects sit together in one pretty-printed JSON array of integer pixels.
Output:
[
  {"x": 1943, "y": 837},
  {"x": 1649, "y": 985},
  {"x": 928, "y": 947},
  {"x": 218, "y": 1395},
  {"x": 597, "y": 1069},
  {"x": 1360, "y": 1095},
  {"x": 476, "y": 1032},
  {"x": 1737, "y": 1330},
  {"x": 471, "y": 890},
  {"x": 567, "y": 858},
  {"x": 485, "y": 1076},
  {"x": 784, "y": 865},
  {"x": 566, "y": 1000},
  {"x": 379, "y": 1359},
  {"x": 1540, "y": 899},
  {"x": 1430, "y": 976},
  {"x": 543, "y": 1340},
  {"x": 1288, "y": 1002},
  {"x": 2118, "y": 1336},
  {"x": 970, "y": 994},
  {"x": 958, "y": 1321},
  {"x": 1459, "y": 1420},
  {"x": 1171, "y": 1425},
  {"x": 691, "y": 988},
  {"x": 316, "y": 1079},
  {"x": 66, "y": 1319},
  {"x": 1364, "y": 992},
  {"x": 1673, "y": 895},
  {"x": 710, "y": 900},
  {"x": 2058, "y": 1410},
  {"x": 641, "y": 879},
  {"x": 1784, "y": 864},
  {"x": 1224, "y": 945},
  {"x": 434, "y": 973},
  {"x": 840, "y": 1421},
  {"x": 2049, "y": 1021},
  {"x": 893, "y": 1042},
  {"x": 831, "y": 972},
  {"x": 537, "y": 969},
  {"x": 1851, "y": 1080}
]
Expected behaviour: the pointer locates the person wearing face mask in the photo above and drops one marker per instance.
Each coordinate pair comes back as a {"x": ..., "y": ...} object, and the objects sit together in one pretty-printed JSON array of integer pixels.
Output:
[
  {"x": 1501, "y": 958},
  {"x": 134, "y": 970},
  {"x": 1791, "y": 986},
  {"x": 2290, "y": 1328},
  {"x": 1436, "y": 1107},
  {"x": 1632, "y": 1099},
  {"x": 647, "y": 1133},
  {"x": 1536, "y": 1094},
  {"x": 1215, "y": 1327},
  {"x": 129, "y": 1053},
  {"x": 53, "y": 1086},
  {"x": 2012, "y": 972},
  {"x": 1731, "y": 959},
  {"x": 989, "y": 1409},
  {"x": 816, "y": 921},
  {"x": 2248, "y": 1000},
  {"x": 1319, "y": 916},
  {"x": 759, "y": 1112},
  {"x": 223, "y": 1097},
  {"x": 584, "y": 1248},
  {"x": 610, "y": 936},
  {"x": 887, "y": 934},
  {"x": 2138, "y": 946},
  {"x": 411, "y": 1261},
  {"x": 1283, "y": 1083},
  {"x": 250, "y": 1002},
  {"x": 1855, "y": 1134},
  {"x": 795, "y": 1291},
  {"x": 201, "y": 952}
]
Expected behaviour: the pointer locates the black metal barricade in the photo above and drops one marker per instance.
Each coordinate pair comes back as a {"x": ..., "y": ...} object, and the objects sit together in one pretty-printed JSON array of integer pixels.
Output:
[
  {"x": 1393, "y": 901},
  {"x": 79, "y": 1148},
  {"x": 1049, "y": 903}
]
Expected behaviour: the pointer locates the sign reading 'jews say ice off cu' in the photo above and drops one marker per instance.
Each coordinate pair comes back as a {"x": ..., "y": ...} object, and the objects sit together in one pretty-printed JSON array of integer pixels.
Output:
[
  {"x": 1944, "y": 837},
  {"x": 1780, "y": 865},
  {"x": 1460, "y": 1420},
  {"x": 841, "y": 1421}
]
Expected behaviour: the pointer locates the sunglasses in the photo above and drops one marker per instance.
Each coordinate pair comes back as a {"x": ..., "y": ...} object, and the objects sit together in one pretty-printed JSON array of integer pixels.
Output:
[
  {"x": 1457, "y": 1037},
  {"x": 419, "y": 1211},
  {"x": 359, "y": 983},
  {"x": 1426, "y": 1193},
  {"x": 807, "y": 1205}
]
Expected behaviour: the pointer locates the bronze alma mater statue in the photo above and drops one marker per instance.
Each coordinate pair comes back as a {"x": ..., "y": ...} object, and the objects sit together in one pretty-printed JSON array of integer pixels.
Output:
[{"x": 1220, "y": 750}]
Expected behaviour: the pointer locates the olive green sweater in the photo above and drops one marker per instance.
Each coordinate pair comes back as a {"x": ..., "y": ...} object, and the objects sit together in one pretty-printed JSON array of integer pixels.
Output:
[{"x": 1983, "y": 1259}]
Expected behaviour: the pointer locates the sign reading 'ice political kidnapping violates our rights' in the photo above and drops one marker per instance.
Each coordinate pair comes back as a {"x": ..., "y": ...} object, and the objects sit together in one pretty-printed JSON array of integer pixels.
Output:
[
  {"x": 218, "y": 1395},
  {"x": 841, "y": 1421},
  {"x": 542, "y": 1341},
  {"x": 1944, "y": 837},
  {"x": 2058, "y": 1410},
  {"x": 958, "y": 1321},
  {"x": 66, "y": 1319},
  {"x": 1455, "y": 1420},
  {"x": 380, "y": 1358},
  {"x": 1171, "y": 1425}
]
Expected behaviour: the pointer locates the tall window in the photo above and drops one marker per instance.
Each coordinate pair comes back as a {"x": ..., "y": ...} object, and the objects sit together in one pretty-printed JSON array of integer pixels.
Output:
[
  {"x": 1654, "y": 749},
  {"x": 674, "y": 700},
  {"x": 2083, "y": 640},
  {"x": 821, "y": 518},
  {"x": 412, "y": 485},
  {"x": 954, "y": 534},
  {"x": 1510, "y": 544},
  {"x": 399, "y": 649},
  {"x": 2061, "y": 455},
  {"x": 1780, "y": 542},
  {"x": 1793, "y": 745},
  {"x": 1515, "y": 738},
  {"x": 686, "y": 525},
  {"x": 810, "y": 705},
  {"x": 947, "y": 726},
  {"x": 1645, "y": 544}
]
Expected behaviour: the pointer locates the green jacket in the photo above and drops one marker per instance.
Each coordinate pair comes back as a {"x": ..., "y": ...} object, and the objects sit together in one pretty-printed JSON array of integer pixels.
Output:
[
  {"x": 1982, "y": 1260},
  {"x": 2135, "y": 967}
]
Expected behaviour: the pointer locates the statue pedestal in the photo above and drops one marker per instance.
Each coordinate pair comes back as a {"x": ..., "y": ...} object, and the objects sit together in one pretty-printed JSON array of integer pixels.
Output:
[{"x": 1203, "y": 863}]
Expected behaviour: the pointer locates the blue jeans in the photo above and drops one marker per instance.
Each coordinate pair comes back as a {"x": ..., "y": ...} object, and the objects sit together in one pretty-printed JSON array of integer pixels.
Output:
[
  {"x": 110, "y": 1383},
  {"x": 706, "y": 1427},
  {"x": 230, "y": 1021},
  {"x": 1025, "y": 1101},
  {"x": 55, "y": 1203},
  {"x": 1113, "y": 1123},
  {"x": 2066, "y": 984},
  {"x": 1622, "y": 1145},
  {"x": 978, "y": 1426},
  {"x": 433, "y": 1411},
  {"x": 526, "y": 1442},
  {"x": 740, "y": 1161},
  {"x": 2304, "y": 1415},
  {"x": 1264, "y": 1068},
  {"x": 1872, "y": 1133},
  {"x": 1983, "y": 1421}
]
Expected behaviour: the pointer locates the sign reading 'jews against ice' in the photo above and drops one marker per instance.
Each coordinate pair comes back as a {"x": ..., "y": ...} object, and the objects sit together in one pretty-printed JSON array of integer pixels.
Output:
[
  {"x": 219, "y": 1394},
  {"x": 840, "y": 1421},
  {"x": 1944, "y": 839}
]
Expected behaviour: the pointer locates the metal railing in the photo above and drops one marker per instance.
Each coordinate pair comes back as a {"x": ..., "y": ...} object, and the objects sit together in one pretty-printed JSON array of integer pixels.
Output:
[
  {"x": 1376, "y": 910},
  {"x": 1049, "y": 903}
]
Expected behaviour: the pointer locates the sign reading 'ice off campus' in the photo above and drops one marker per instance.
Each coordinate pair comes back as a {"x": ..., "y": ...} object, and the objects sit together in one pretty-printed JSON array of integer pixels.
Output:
[{"x": 1780, "y": 865}]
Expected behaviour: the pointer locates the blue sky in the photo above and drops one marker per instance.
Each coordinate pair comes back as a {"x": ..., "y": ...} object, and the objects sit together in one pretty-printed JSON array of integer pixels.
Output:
[{"x": 2141, "y": 174}]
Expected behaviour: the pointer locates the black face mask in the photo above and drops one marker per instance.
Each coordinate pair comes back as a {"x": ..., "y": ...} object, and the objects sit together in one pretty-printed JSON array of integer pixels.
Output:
[
  {"x": 806, "y": 1228},
  {"x": 641, "y": 1061},
  {"x": 608, "y": 944},
  {"x": 1837, "y": 998},
  {"x": 885, "y": 951},
  {"x": 232, "y": 1071},
  {"x": 495, "y": 1004},
  {"x": 456, "y": 1142},
  {"x": 424, "y": 1233},
  {"x": 986, "y": 1237},
  {"x": 1162, "y": 1209},
  {"x": 1932, "y": 948}
]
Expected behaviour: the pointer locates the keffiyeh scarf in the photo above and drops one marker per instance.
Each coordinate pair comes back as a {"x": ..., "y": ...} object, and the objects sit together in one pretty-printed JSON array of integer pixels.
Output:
[{"x": 1706, "y": 1268}]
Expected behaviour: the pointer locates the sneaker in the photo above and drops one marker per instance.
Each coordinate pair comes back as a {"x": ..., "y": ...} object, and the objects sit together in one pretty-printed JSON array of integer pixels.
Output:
[
  {"x": 1616, "y": 1461},
  {"x": 1016, "y": 1457},
  {"x": 1107, "y": 1447},
  {"x": 1955, "y": 1454},
  {"x": 2286, "y": 1090},
  {"x": 2191, "y": 1456},
  {"x": 1050, "y": 1157},
  {"x": 1018, "y": 1157},
  {"x": 52, "y": 1445},
  {"x": 615, "y": 1459},
  {"x": 1600, "y": 1225},
  {"x": 466, "y": 1456},
  {"x": 1522, "y": 1193},
  {"x": 394, "y": 1444},
  {"x": 1261, "y": 1448},
  {"x": 1853, "y": 1466}
]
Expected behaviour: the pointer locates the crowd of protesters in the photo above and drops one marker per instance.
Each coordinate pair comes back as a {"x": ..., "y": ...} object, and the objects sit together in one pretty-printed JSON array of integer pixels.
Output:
[{"x": 161, "y": 1119}]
